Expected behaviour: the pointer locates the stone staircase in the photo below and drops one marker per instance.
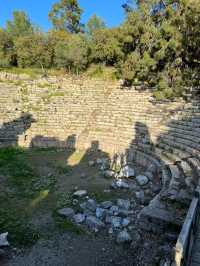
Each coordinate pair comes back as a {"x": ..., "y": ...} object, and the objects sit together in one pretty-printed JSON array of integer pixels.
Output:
[{"x": 165, "y": 135}]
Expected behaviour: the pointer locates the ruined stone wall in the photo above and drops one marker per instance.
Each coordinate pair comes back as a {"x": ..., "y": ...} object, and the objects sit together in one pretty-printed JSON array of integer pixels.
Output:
[{"x": 80, "y": 111}]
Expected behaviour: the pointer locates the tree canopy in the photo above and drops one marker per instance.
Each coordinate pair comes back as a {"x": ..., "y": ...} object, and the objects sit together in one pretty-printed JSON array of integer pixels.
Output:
[
  {"x": 66, "y": 15},
  {"x": 157, "y": 45}
]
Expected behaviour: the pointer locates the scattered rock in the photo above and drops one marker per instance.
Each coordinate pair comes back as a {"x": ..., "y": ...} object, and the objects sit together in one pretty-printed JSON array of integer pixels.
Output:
[
  {"x": 94, "y": 223},
  {"x": 99, "y": 161},
  {"x": 142, "y": 180},
  {"x": 80, "y": 193},
  {"x": 140, "y": 195},
  {"x": 108, "y": 219},
  {"x": 125, "y": 222},
  {"x": 124, "y": 204},
  {"x": 100, "y": 213},
  {"x": 110, "y": 231},
  {"x": 116, "y": 221},
  {"x": 124, "y": 213},
  {"x": 119, "y": 184},
  {"x": 109, "y": 174},
  {"x": 123, "y": 237},
  {"x": 79, "y": 218},
  {"x": 114, "y": 210},
  {"x": 91, "y": 205},
  {"x": 127, "y": 172},
  {"x": 83, "y": 176},
  {"x": 3, "y": 240},
  {"x": 91, "y": 163},
  {"x": 66, "y": 212},
  {"x": 106, "y": 204}
]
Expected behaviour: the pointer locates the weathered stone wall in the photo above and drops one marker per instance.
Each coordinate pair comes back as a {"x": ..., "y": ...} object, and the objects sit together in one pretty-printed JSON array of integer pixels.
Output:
[{"x": 81, "y": 111}]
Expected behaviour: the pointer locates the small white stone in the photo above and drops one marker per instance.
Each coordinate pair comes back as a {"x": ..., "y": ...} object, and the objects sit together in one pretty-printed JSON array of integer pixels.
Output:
[
  {"x": 123, "y": 237},
  {"x": 142, "y": 180},
  {"x": 3, "y": 240},
  {"x": 80, "y": 193},
  {"x": 127, "y": 172}
]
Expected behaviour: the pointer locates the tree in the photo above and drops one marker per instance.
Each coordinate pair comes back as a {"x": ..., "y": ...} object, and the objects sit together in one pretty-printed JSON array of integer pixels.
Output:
[
  {"x": 106, "y": 47},
  {"x": 95, "y": 23},
  {"x": 34, "y": 51},
  {"x": 6, "y": 49},
  {"x": 73, "y": 54},
  {"x": 20, "y": 25},
  {"x": 66, "y": 15}
]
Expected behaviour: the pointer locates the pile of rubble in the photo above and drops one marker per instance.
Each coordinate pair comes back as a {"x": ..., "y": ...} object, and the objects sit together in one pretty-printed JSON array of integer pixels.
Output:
[{"x": 117, "y": 218}]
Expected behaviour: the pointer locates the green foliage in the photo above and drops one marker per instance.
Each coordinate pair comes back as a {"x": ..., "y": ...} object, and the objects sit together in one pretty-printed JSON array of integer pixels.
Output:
[
  {"x": 6, "y": 49},
  {"x": 33, "y": 51},
  {"x": 67, "y": 225},
  {"x": 102, "y": 72},
  {"x": 106, "y": 47},
  {"x": 20, "y": 25},
  {"x": 73, "y": 54},
  {"x": 95, "y": 23},
  {"x": 157, "y": 45},
  {"x": 65, "y": 15}
]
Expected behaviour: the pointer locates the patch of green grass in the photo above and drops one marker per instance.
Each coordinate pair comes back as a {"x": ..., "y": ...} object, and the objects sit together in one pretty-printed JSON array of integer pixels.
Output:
[
  {"x": 64, "y": 200},
  {"x": 100, "y": 195},
  {"x": 63, "y": 169},
  {"x": 31, "y": 72},
  {"x": 65, "y": 225},
  {"x": 47, "y": 97},
  {"x": 19, "y": 173},
  {"x": 15, "y": 221},
  {"x": 102, "y": 72},
  {"x": 22, "y": 190}
]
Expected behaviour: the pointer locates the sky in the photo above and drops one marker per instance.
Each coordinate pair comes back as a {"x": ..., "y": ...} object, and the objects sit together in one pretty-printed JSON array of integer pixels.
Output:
[{"x": 110, "y": 10}]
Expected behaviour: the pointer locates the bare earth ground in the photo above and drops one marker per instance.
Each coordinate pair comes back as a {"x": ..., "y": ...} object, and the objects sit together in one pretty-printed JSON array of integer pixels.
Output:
[{"x": 67, "y": 245}]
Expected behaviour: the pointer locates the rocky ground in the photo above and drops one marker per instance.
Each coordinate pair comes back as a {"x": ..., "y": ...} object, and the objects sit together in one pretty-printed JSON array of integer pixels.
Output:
[{"x": 88, "y": 216}]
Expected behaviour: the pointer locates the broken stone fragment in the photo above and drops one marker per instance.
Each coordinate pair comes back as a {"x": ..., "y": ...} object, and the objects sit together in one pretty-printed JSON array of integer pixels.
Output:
[
  {"x": 124, "y": 204},
  {"x": 127, "y": 172},
  {"x": 106, "y": 204},
  {"x": 142, "y": 180},
  {"x": 100, "y": 213},
  {"x": 3, "y": 240},
  {"x": 116, "y": 222},
  {"x": 119, "y": 184},
  {"x": 66, "y": 212},
  {"x": 91, "y": 205},
  {"x": 123, "y": 237},
  {"x": 109, "y": 174},
  {"x": 125, "y": 222},
  {"x": 114, "y": 210},
  {"x": 79, "y": 218},
  {"x": 91, "y": 163},
  {"x": 80, "y": 193},
  {"x": 94, "y": 223}
]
